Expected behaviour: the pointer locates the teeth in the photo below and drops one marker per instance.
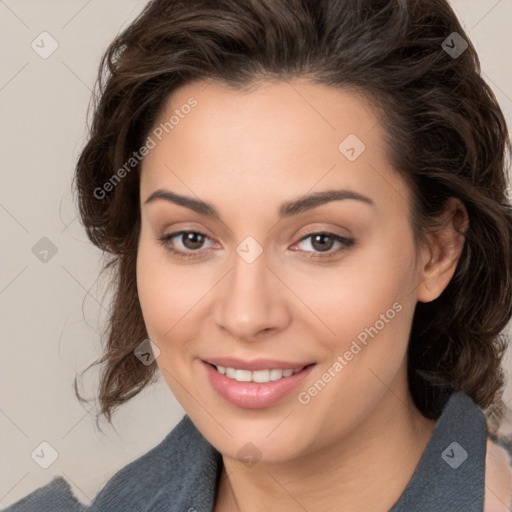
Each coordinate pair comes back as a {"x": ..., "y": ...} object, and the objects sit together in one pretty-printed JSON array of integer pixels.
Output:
[
  {"x": 260, "y": 376},
  {"x": 276, "y": 374},
  {"x": 243, "y": 375}
]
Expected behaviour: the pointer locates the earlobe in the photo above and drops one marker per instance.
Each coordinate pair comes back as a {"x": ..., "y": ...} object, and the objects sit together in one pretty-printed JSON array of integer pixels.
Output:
[{"x": 440, "y": 258}]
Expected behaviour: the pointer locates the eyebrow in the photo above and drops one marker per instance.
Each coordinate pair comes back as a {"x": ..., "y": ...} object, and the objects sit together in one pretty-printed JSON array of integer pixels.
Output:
[{"x": 287, "y": 209}]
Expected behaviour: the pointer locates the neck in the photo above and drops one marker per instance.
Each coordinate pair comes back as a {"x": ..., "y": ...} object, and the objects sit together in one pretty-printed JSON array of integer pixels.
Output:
[{"x": 367, "y": 470}]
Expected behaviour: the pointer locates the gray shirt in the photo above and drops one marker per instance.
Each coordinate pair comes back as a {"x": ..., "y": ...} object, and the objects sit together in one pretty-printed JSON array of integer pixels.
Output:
[{"x": 181, "y": 473}]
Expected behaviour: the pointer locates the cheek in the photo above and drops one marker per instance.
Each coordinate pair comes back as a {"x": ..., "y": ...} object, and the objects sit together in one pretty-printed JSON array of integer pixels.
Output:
[
  {"x": 366, "y": 285},
  {"x": 368, "y": 306},
  {"x": 166, "y": 291},
  {"x": 167, "y": 307}
]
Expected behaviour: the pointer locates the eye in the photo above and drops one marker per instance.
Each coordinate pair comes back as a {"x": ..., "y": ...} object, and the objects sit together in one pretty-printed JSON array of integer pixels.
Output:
[
  {"x": 322, "y": 243},
  {"x": 190, "y": 242}
]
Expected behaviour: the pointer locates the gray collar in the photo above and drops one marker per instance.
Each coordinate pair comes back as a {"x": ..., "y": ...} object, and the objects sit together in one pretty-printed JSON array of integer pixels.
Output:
[
  {"x": 451, "y": 473},
  {"x": 181, "y": 473},
  {"x": 448, "y": 478}
]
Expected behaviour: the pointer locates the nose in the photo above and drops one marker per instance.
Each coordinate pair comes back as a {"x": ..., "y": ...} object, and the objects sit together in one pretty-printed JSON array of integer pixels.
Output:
[{"x": 251, "y": 301}]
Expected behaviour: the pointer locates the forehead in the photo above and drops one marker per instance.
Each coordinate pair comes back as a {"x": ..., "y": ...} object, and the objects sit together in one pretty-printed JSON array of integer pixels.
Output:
[
  {"x": 270, "y": 115},
  {"x": 279, "y": 138}
]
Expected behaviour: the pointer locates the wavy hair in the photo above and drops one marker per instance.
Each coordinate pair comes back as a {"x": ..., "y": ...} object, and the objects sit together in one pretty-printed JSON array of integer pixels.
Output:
[{"x": 445, "y": 135}]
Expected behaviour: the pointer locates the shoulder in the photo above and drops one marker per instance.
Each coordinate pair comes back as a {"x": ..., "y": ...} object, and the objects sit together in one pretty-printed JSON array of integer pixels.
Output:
[
  {"x": 183, "y": 463},
  {"x": 56, "y": 496},
  {"x": 498, "y": 469},
  {"x": 169, "y": 471}
]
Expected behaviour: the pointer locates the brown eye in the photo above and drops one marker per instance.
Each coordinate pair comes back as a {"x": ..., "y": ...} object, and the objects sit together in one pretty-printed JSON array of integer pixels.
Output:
[
  {"x": 323, "y": 243},
  {"x": 186, "y": 244},
  {"x": 192, "y": 240}
]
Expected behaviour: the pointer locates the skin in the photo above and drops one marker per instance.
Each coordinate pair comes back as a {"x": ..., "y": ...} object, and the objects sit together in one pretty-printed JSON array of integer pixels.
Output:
[
  {"x": 246, "y": 153},
  {"x": 498, "y": 479}
]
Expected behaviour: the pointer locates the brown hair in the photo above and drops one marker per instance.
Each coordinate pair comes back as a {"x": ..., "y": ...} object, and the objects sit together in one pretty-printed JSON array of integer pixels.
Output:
[{"x": 446, "y": 135}]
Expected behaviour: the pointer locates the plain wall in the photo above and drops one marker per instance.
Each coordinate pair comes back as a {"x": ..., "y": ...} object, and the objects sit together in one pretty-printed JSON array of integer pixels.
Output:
[{"x": 51, "y": 311}]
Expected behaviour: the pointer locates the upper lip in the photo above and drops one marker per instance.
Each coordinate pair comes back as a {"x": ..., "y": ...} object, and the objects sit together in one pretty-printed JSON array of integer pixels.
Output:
[{"x": 255, "y": 364}]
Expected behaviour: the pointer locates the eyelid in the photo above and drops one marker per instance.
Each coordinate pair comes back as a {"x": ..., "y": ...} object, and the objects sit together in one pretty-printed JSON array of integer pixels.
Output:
[
  {"x": 166, "y": 237},
  {"x": 344, "y": 241}
]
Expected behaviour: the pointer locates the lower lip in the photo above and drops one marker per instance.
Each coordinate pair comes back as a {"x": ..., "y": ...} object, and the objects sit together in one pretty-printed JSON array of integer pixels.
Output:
[{"x": 254, "y": 395}]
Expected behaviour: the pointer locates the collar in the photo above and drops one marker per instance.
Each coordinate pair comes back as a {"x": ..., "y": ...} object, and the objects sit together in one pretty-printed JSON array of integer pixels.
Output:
[
  {"x": 451, "y": 473},
  {"x": 182, "y": 472}
]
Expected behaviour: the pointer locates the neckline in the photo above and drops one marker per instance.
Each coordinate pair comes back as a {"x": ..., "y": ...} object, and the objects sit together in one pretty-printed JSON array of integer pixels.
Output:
[{"x": 450, "y": 475}]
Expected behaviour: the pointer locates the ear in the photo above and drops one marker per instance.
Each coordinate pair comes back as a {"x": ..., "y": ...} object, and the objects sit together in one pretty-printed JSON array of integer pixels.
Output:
[{"x": 438, "y": 260}]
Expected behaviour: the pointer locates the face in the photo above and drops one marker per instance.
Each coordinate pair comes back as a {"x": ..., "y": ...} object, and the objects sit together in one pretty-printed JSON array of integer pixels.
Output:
[{"x": 262, "y": 279}]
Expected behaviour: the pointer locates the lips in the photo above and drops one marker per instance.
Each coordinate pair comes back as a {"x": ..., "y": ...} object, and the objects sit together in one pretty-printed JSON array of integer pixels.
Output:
[{"x": 255, "y": 384}]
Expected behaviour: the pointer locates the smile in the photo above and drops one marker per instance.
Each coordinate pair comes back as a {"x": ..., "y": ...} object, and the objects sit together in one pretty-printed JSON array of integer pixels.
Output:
[
  {"x": 260, "y": 384},
  {"x": 260, "y": 376}
]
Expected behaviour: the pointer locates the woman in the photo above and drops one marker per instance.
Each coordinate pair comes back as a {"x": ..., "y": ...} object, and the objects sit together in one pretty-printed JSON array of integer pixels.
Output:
[{"x": 306, "y": 207}]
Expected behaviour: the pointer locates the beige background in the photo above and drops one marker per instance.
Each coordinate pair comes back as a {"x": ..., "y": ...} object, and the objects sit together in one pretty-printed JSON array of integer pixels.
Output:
[{"x": 51, "y": 311}]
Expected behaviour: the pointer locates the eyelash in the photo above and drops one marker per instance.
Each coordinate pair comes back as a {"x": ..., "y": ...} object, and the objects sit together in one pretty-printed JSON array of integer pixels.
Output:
[{"x": 346, "y": 243}]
